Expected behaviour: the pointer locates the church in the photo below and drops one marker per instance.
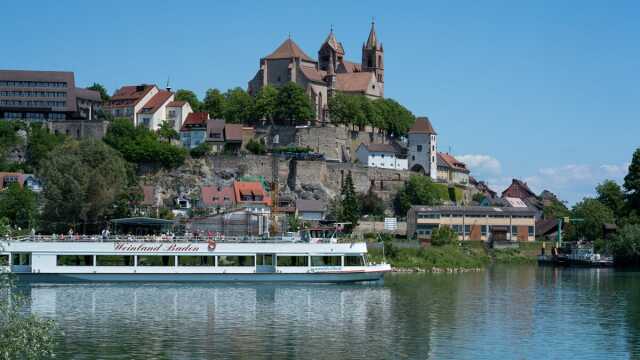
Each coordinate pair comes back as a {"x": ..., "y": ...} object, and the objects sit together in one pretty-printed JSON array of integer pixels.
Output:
[{"x": 329, "y": 74}]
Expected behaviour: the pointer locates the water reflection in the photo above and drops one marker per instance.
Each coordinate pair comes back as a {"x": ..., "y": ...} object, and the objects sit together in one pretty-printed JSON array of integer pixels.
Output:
[{"x": 509, "y": 313}]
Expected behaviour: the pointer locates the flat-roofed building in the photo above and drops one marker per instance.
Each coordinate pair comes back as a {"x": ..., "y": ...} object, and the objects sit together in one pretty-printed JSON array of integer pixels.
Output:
[
  {"x": 40, "y": 96},
  {"x": 483, "y": 223}
]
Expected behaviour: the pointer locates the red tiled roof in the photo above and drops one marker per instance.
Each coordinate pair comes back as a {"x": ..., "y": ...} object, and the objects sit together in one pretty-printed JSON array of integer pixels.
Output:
[
  {"x": 176, "y": 103},
  {"x": 313, "y": 74},
  {"x": 348, "y": 66},
  {"x": 233, "y": 132},
  {"x": 132, "y": 92},
  {"x": 253, "y": 188},
  {"x": 195, "y": 119},
  {"x": 452, "y": 162},
  {"x": 217, "y": 196},
  {"x": 518, "y": 189},
  {"x": 287, "y": 50},
  {"x": 386, "y": 148},
  {"x": 353, "y": 82},
  {"x": 156, "y": 102},
  {"x": 422, "y": 126}
]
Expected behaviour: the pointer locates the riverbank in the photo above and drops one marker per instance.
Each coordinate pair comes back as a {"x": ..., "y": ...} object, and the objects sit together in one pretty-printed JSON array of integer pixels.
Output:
[{"x": 463, "y": 257}]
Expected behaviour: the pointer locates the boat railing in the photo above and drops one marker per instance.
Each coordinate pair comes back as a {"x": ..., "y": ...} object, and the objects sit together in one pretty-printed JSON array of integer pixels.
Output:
[{"x": 166, "y": 239}]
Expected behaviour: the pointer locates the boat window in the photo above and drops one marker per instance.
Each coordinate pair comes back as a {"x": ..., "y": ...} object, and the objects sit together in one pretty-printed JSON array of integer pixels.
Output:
[
  {"x": 156, "y": 260},
  {"x": 74, "y": 260},
  {"x": 353, "y": 261},
  {"x": 264, "y": 260},
  {"x": 326, "y": 261},
  {"x": 236, "y": 260},
  {"x": 293, "y": 261},
  {"x": 196, "y": 261},
  {"x": 4, "y": 260},
  {"x": 22, "y": 259},
  {"x": 114, "y": 260}
]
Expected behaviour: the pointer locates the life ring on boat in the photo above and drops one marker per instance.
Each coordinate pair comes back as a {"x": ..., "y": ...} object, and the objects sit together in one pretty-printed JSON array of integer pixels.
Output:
[{"x": 212, "y": 245}]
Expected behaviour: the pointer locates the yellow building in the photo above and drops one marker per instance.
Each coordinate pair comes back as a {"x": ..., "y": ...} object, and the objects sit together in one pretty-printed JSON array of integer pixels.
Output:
[{"x": 483, "y": 223}]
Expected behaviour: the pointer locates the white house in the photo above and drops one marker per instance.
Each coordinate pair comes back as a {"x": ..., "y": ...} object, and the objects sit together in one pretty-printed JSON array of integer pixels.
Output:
[
  {"x": 311, "y": 210},
  {"x": 177, "y": 112},
  {"x": 423, "y": 148},
  {"x": 383, "y": 156}
]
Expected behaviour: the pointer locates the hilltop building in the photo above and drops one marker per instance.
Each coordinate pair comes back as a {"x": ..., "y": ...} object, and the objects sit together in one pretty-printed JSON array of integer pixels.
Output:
[
  {"x": 423, "y": 148},
  {"x": 330, "y": 73},
  {"x": 40, "y": 96},
  {"x": 147, "y": 105},
  {"x": 384, "y": 156}
]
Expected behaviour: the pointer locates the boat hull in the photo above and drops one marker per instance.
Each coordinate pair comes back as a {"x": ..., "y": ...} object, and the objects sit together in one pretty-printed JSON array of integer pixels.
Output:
[{"x": 319, "y": 277}]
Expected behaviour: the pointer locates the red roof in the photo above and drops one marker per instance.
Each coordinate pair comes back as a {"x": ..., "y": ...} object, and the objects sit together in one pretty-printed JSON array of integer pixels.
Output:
[
  {"x": 252, "y": 189},
  {"x": 422, "y": 126},
  {"x": 452, "y": 162},
  {"x": 195, "y": 119},
  {"x": 177, "y": 103},
  {"x": 217, "y": 196},
  {"x": 233, "y": 132},
  {"x": 131, "y": 93},
  {"x": 287, "y": 50},
  {"x": 156, "y": 102}
]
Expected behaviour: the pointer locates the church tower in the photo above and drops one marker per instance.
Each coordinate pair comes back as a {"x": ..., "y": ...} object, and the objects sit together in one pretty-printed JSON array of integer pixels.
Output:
[{"x": 373, "y": 55}]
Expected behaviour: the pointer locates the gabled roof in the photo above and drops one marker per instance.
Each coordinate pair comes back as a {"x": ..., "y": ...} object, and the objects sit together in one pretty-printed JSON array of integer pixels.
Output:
[
  {"x": 446, "y": 160},
  {"x": 195, "y": 119},
  {"x": 333, "y": 43},
  {"x": 353, "y": 82},
  {"x": 422, "y": 126},
  {"x": 313, "y": 74},
  {"x": 156, "y": 102},
  {"x": 519, "y": 189},
  {"x": 217, "y": 196},
  {"x": 287, "y": 50},
  {"x": 345, "y": 66},
  {"x": 310, "y": 205},
  {"x": 233, "y": 132},
  {"x": 250, "y": 188},
  {"x": 88, "y": 94},
  {"x": 177, "y": 103},
  {"x": 132, "y": 92}
]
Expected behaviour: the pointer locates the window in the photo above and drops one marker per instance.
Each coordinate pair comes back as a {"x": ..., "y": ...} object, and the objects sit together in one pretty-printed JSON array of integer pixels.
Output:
[
  {"x": 4, "y": 260},
  {"x": 457, "y": 228},
  {"x": 236, "y": 260},
  {"x": 22, "y": 259},
  {"x": 74, "y": 260},
  {"x": 264, "y": 260},
  {"x": 196, "y": 261},
  {"x": 326, "y": 261},
  {"x": 419, "y": 148},
  {"x": 483, "y": 230},
  {"x": 531, "y": 231},
  {"x": 467, "y": 229},
  {"x": 353, "y": 260},
  {"x": 514, "y": 231},
  {"x": 293, "y": 261},
  {"x": 114, "y": 260},
  {"x": 155, "y": 260}
]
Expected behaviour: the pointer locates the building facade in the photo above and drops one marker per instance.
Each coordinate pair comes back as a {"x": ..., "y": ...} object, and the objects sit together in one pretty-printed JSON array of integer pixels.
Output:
[
  {"x": 383, "y": 156},
  {"x": 323, "y": 77},
  {"x": 480, "y": 223},
  {"x": 194, "y": 129},
  {"x": 423, "y": 148},
  {"x": 41, "y": 96},
  {"x": 450, "y": 170}
]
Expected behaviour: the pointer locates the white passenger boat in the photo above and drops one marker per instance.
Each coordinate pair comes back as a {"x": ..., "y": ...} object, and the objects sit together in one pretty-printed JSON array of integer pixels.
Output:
[{"x": 46, "y": 259}]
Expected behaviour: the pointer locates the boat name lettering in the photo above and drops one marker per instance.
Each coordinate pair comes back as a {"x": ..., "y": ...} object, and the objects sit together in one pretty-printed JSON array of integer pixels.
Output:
[{"x": 155, "y": 248}]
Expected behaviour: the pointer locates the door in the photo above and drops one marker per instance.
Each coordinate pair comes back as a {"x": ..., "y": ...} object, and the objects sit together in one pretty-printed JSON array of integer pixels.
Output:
[{"x": 265, "y": 263}]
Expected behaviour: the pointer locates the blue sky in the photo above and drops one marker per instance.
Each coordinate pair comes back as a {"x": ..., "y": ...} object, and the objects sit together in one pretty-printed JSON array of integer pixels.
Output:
[{"x": 546, "y": 91}]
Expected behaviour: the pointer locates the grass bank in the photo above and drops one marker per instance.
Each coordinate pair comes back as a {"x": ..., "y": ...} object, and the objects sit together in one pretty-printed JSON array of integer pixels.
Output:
[{"x": 457, "y": 257}]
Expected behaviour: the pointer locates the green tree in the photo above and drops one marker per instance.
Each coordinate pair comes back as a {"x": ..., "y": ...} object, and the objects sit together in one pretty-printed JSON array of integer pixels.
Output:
[
  {"x": 239, "y": 106},
  {"x": 19, "y": 206},
  {"x": 555, "y": 210},
  {"x": 444, "y": 235},
  {"x": 418, "y": 190},
  {"x": 22, "y": 334},
  {"x": 190, "y": 97},
  {"x": 200, "y": 150},
  {"x": 256, "y": 147},
  {"x": 167, "y": 132},
  {"x": 611, "y": 195},
  {"x": 371, "y": 204},
  {"x": 266, "y": 103},
  {"x": 82, "y": 183},
  {"x": 632, "y": 182},
  {"x": 293, "y": 105},
  {"x": 347, "y": 110},
  {"x": 9, "y": 140},
  {"x": 104, "y": 95},
  {"x": 350, "y": 208},
  {"x": 41, "y": 143},
  {"x": 294, "y": 223},
  {"x": 141, "y": 145},
  {"x": 594, "y": 215},
  {"x": 625, "y": 245},
  {"x": 396, "y": 118},
  {"x": 213, "y": 103}
]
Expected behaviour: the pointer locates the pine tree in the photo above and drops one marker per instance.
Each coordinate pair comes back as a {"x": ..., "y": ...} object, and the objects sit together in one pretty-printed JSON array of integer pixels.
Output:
[
  {"x": 350, "y": 208},
  {"x": 632, "y": 182}
]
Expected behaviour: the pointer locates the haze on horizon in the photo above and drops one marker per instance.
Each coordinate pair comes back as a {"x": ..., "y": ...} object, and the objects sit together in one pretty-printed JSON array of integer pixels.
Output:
[{"x": 543, "y": 91}]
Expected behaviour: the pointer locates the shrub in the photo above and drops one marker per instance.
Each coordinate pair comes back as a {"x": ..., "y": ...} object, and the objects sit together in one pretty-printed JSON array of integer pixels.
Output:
[
  {"x": 200, "y": 150},
  {"x": 443, "y": 235},
  {"x": 256, "y": 147}
]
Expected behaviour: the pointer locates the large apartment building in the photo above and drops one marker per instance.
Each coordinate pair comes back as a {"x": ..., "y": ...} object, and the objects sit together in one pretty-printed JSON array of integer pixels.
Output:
[
  {"x": 45, "y": 96},
  {"x": 483, "y": 223},
  {"x": 147, "y": 105}
]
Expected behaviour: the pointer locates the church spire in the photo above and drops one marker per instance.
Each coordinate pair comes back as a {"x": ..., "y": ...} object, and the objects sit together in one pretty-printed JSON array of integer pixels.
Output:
[{"x": 372, "y": 40}]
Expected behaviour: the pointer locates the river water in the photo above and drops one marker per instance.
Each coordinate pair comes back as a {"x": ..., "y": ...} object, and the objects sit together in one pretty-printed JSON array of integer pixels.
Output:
[{"x": 515, "y": 312}]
